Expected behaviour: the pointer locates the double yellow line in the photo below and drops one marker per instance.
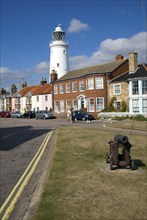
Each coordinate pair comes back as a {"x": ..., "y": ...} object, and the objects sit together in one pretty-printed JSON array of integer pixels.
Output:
[{"x": 25, "y": 180}]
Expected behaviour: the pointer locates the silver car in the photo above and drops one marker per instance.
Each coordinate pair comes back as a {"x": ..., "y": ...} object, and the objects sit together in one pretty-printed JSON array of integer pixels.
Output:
[
  {"x": 44, "y": 115},
  {"x": 16, "y": 114}
]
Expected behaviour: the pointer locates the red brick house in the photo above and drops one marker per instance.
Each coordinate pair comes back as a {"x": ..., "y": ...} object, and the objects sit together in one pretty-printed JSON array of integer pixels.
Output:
[{"x": 86, "y": 88}]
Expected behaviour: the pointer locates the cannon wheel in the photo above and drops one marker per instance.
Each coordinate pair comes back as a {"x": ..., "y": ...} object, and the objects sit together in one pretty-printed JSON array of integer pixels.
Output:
[
  {"x": 111, "y": 165},
  {"x": 132, "y": 165}
]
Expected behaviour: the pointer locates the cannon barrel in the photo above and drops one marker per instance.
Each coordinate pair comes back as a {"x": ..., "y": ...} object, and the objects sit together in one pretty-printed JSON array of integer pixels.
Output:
[{"x": 121, "y": 138}]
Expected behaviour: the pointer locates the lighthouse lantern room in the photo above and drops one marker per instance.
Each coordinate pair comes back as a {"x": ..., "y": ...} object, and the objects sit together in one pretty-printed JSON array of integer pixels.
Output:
[{"x": 59, "y": 52}]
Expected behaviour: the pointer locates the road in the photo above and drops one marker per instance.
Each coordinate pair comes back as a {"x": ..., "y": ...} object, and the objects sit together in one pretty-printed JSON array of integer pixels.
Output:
[{"x": 20, "y": 141}]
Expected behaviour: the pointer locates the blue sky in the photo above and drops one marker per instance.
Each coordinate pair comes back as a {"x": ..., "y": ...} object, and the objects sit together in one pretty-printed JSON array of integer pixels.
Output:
[{"x": 96, "y": 32}]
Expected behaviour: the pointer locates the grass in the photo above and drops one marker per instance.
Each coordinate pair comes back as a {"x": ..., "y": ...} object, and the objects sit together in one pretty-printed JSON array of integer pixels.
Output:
[
  {"x": 130, "y": 124},
  {"x": 82, "y": 187}
]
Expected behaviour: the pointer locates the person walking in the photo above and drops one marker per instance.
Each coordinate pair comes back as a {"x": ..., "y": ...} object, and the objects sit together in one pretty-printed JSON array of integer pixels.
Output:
[
  {"x": 68, "y": 115},
  {"x": 73, "y": 116}
]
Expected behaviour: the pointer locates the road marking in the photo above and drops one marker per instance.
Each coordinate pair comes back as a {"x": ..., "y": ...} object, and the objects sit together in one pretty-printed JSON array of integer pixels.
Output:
[
  {"x": 8, "y": 135},
  {"x": 24, "y": 183}
]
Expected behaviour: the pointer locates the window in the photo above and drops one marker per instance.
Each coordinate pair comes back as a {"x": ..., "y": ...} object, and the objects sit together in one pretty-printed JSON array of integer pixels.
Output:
[
  {"x": 46, "y": 109},
  {"x": 56, "y": 106},
  {"x": 46, "y": 97},
  {"x": 75, "y": 104},
  {"x": 144, "y": 105},
  {"x": 74, "y": 87},
  {"x": 55, "y": 89},
  {"x": 135, "y": 105},
  {"x": 37, "y": 109},
  {"x": 135, "y": 88},
  {"x": 117, "y": 89},
  {"x": 58, "y": 64},
  {"x": 144, "y": 86},
  {"x": 90, "y": 84},
  {"x": 37, "y": 98},
  {"x": 61, "y": 106},
  {"x": 99, "y": 104},
  {"x": 91, "y": 104},
  {"x": 67, "y": 104},
  {"x": 81, "y": 85},
  {"x": 64, "y": 52},
  {"x": 99, "y": 83},
  {"x": 117, "y": 105},
  {"x": 61, "y": 88},
  {"x": 68, "y": 88}
]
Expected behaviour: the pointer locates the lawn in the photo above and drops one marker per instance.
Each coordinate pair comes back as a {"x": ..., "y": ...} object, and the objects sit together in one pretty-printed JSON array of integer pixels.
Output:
[{"x": 80, "y": 185}]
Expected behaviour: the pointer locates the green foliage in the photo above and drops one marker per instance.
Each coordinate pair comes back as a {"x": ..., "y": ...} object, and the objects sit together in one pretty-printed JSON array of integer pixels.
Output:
[
  {"x": 139, "y": 118},
  {"x": 123, "y": 106}
]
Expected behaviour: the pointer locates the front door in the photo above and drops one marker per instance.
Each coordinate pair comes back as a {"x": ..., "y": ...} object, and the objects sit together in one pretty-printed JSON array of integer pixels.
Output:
[{"x": 82, "y": 103}]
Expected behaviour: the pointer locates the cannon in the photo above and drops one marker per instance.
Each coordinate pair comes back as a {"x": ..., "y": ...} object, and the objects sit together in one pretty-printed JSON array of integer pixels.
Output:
[{"x": 119, "y": 153}]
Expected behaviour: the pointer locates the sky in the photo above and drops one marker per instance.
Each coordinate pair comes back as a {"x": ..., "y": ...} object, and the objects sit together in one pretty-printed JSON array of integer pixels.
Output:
[{"x": 96, "y": 32}]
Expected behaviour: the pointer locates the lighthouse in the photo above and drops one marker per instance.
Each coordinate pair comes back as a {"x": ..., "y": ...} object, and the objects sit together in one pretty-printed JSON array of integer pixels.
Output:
[{"x": 58, "y": 53}]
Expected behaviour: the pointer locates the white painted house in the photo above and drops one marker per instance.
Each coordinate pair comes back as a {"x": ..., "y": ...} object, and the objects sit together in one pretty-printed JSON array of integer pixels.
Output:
[{"x": 33, "y": 98}]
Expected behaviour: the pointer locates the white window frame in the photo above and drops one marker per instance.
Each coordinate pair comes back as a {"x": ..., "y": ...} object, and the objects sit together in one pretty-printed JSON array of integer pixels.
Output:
[
  {"x": 144, "y": 105},
  {"x": 101, "y": 107},
  {"x": 75, "y": 104},
  {"x": 74, "y": 86},
  {"x": 99, "y": 83},
  {"x": 117, "y": 89},
  {"x": 68, "y": 105},
  {"x": 91, "y": 105},
  {"x": 90, "y": 83},
  {"x": 61, "y": 105},
  {"x": 37, "y": 98},
  {"x": 61, "y": 88},
  {"x": 46, "y": 98},
  {"x": 117, "y": 105},
  {"x": 144, "y": 87},
  {"x": 67, "y": 87},
  {"x": 56, "y": 106},
  {"x": 135, "y": 105},
  {"x": 81, "y": 86},
  {"x": 55, "y": 89},
  {"x": 135, "y": 87}
]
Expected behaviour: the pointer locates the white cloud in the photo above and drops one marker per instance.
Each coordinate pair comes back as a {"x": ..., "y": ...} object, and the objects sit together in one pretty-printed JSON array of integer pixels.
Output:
[
  {"x": 77, "y": 26},
  {"x": 41, "y": 68},
  {"x": 109, "y": 48}
]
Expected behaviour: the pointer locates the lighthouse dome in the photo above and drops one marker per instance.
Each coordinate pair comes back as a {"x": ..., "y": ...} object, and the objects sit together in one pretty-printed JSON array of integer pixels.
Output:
[{"x": 58, "y": 28}]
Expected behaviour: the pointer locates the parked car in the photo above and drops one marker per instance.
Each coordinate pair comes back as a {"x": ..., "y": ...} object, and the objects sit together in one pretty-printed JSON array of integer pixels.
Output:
[
  {"x": 5, "y": 114},
  {"x": 44, "y": 115},
  {"x": 85, "y": 116},
  {"x": 16, "y": 114},
  {"x": 29, "y": 114}
]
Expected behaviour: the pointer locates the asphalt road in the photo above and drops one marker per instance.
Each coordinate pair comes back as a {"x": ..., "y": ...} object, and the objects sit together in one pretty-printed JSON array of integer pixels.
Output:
[{"x": 20, "y": 141}]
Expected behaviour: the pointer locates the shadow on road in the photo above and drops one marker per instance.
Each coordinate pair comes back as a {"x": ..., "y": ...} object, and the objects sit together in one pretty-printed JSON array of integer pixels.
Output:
[{"x": 15, "y": 136}]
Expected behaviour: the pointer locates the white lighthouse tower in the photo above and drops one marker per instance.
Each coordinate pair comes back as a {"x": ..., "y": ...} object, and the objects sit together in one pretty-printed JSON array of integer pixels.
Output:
[{"x": 59, "y": 53}]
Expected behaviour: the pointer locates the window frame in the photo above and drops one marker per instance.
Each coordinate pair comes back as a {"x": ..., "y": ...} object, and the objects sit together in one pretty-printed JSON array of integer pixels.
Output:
[
  {"x": 99, "y": 109},
  {"x": 99, "y": 85}
]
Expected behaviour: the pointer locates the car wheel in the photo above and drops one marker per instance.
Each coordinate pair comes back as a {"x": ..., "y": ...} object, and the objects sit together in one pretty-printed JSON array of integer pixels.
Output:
[{"x": 83, "y": 119}]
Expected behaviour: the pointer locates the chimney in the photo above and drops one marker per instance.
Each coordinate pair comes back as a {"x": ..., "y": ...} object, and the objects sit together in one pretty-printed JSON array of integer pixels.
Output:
[
  {"x": 13, "y": 89},
  {"x": 119, "y": 57},
  {"x": 54, "y": 76},
  {"x": 133, "y": 61},
  {"x": 43, "y": 81},
  {"x": 23, "y": 85}
]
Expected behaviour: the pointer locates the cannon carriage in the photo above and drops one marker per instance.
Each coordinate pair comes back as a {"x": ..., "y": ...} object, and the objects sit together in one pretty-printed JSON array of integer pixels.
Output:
[{"x": 119, "y": 153}]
